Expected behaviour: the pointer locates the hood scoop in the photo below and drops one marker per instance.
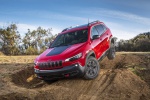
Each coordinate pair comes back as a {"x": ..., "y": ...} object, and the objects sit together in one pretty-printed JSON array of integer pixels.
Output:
[{"x": 57, "y": 50}]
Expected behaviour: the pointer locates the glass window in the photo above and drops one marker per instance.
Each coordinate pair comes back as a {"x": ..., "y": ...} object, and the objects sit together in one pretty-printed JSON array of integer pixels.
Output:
[
  {"x": 71, "y": 38},
  {"x": 104, "y": 27},
  {"x": 94, "y": 32},
  {"x": 100, "y": 29}
]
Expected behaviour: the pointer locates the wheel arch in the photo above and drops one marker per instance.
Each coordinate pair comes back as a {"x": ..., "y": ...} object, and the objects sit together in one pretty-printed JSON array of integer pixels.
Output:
[
  {"x": 113, "y": 40},
  {"x": 91, "y": 53}
]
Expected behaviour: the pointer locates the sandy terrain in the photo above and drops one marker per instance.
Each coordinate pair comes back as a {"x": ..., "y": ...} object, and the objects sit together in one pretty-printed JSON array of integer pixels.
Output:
[{"x": 127, "y": 77}]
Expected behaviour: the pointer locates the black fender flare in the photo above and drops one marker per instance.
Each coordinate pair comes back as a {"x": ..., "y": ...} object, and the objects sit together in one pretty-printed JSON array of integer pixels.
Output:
[{"x": 90, "y": 53}]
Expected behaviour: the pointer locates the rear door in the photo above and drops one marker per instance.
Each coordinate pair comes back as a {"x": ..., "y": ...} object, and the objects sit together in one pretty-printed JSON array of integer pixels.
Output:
[{"x": 104, "y": 38}]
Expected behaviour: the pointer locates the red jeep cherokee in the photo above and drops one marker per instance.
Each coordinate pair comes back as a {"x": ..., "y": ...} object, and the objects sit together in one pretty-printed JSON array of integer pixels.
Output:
[{"x": 76, "y": 52}]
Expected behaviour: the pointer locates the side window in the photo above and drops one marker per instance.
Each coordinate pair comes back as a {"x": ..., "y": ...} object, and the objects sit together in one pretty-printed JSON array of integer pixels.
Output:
[
  {"x": 104, "y": 27},
  {"x": 94, "y": 32},
  {"x": 100, "y": 29}
]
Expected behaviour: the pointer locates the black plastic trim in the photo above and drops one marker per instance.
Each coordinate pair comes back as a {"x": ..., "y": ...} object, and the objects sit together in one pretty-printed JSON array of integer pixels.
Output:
[
  {"x": 103, "y": 55},
  {"x": 73, "y": 70}
]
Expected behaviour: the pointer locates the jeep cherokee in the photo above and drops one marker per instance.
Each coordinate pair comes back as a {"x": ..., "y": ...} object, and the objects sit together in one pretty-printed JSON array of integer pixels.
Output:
[{"x": 76, "y": 52}]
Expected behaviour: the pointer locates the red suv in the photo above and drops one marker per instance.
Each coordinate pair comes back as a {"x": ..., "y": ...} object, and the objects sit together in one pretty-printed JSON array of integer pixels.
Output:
[{"x": 76, "y": 52}]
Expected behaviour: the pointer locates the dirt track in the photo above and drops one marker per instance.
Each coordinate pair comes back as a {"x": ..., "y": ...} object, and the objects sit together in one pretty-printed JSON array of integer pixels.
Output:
[{"x": 116, "y": 81}]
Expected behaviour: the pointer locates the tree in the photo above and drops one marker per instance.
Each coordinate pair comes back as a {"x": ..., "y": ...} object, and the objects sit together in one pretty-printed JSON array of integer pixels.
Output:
[
  {"x": 34, "y": 42},
  {"x": 37, "y": 40},
  {"x": 9, "y": 40},
  {"x": 139, "y": 43}
]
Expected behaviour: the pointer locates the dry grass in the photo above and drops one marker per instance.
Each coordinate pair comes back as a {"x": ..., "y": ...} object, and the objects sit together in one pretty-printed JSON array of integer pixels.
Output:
[
  {"x": 1, "y": 54},
  {"x": 17, "y": 59},
  {"x": 133, "y": 53},
  {"x": 30, "y": 58}
]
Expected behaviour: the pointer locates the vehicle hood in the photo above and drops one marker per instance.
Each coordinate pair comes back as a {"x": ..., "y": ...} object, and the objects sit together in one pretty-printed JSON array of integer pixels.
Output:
[{"x": 60, "y": 53}]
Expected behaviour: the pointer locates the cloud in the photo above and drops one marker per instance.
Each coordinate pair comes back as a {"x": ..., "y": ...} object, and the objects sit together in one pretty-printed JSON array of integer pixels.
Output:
[
  {"x": 119, "y": 14},
  {"x": 49, "y": 15},
  {"x": 118, "y": 28},
  {"x": 23, "y": 28},
  {"x": 121, "y": 32},
  {"x": 63, "y": 16}
]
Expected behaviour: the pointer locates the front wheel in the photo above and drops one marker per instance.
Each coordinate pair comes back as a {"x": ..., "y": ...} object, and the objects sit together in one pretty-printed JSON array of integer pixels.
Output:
[{"x": 92, "y": 68}]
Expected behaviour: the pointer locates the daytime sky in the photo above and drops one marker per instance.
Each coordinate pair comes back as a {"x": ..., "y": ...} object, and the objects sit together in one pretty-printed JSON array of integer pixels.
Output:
[{"x": 126, "y": 19}]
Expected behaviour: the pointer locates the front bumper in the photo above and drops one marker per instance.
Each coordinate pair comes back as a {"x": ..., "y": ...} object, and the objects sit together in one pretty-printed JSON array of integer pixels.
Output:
[{"x": 75, "y": 70}]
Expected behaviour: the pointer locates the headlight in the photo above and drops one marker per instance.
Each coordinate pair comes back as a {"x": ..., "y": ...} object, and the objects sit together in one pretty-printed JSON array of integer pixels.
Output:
[{"x": 74, "y": 57}]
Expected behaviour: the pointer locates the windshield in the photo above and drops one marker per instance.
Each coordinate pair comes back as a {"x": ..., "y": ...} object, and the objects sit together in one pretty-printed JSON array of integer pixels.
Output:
[{"x": 71, "y": 38}]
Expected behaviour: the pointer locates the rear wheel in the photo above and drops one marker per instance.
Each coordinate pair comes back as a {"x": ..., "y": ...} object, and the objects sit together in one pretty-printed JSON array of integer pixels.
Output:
[
  {"x": 112, "y": 52},
  {"x": 92, "y": 68}
]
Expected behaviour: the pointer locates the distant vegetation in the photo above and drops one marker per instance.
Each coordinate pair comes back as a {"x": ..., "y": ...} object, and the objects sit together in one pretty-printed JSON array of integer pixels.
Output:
[
  {"x": 34, "y": 42},
  {"x": 139, "y": 43}
]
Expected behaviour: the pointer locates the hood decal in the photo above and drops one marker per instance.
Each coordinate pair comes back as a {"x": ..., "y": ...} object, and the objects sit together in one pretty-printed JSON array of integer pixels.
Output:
[{"x": 57, "y": 50}]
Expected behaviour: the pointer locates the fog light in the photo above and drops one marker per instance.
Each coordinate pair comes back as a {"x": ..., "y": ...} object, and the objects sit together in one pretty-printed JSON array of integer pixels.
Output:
[{"x": 76, "y": 65}]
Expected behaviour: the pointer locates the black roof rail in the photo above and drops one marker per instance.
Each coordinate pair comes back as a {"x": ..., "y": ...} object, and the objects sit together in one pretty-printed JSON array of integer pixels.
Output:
[
  {"x": 66, "y": 29},
  {"x": 69, "y": 28},
  {"x": 93, "y": 22}
]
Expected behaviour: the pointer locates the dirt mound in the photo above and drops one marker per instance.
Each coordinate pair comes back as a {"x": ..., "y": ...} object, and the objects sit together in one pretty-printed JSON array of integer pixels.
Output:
[
  {"x": 137, "y": 63},
  {"x": 127, "y": 60},
  {"x": 145, "y": 75},
  {"x": 13, "y": 96},
  {"x": 27, "y": 78},
  {"x": 110, "y": 84},
  {"x": 115, "y": 82}
]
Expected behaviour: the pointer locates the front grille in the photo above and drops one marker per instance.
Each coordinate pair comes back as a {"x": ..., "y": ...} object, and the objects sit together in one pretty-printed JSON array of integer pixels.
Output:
[{"x": 50, "y": 65}]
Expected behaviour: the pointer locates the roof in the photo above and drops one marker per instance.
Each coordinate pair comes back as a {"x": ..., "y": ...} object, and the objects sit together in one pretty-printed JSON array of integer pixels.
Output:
[{"x": 81, "y": 26}]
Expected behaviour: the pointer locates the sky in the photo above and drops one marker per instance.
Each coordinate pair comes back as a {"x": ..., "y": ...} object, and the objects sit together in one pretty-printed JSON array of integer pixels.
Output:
[{"x": 126, "y": 19}]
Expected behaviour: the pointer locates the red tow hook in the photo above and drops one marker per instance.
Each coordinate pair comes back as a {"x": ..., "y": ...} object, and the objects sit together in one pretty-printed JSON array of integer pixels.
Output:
[{"x": 67, "y": 75}]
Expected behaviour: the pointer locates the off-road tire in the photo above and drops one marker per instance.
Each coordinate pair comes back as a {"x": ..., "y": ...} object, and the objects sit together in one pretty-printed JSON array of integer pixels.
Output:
[
  {"x": 111, "y": 53},
  {"x": 92, "y": 68}
]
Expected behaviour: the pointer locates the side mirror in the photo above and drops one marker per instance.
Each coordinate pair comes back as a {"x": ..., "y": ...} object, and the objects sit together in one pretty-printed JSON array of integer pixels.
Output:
[{"x": 95, "y": 37}]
